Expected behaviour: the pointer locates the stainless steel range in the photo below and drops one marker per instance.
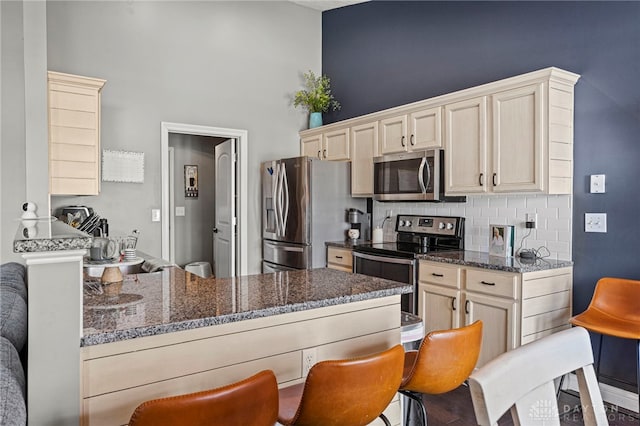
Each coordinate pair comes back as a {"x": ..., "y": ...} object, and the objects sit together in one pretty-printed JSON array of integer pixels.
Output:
[{"x": 415, "y": 235}]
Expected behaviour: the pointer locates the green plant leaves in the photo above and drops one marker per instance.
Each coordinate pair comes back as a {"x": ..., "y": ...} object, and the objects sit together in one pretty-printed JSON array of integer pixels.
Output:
[{"x": 316, "y": 97}]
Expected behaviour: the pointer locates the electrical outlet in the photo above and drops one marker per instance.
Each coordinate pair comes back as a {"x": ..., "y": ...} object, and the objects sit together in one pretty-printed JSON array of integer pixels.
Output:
[
  {"x": 389, "y": 213},
  {"x": 532, "y": 220},
  {"x": 155, "y": 215},
  {"x": 308, "y": 359}
]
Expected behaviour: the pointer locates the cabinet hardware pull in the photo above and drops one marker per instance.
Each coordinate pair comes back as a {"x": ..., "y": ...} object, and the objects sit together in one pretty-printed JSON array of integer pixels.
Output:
[
  {"x": 402, "y": 141},
  {"x": 494, "y": 179},
  {"x": 338, "y": 257},
  {"x": 319, "y": 155},
  {"x": 466, "y": 306},
  {"x": 437, "y": 275},
  {"x": 480, "y": 179},
  {"x": 325, "y": 153},
  {"x": 412, "y": 140},
  {"x": 487, "y": 283},
  {"x": 453, "y": 303}
]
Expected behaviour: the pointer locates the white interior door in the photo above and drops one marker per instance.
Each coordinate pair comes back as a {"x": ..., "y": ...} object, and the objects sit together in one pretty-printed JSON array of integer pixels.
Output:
[{"x": 224, "y": 232}]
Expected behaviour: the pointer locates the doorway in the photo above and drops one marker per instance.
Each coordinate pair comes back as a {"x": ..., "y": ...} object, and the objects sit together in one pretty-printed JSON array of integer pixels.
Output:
[{"x": 238, "y": 220}]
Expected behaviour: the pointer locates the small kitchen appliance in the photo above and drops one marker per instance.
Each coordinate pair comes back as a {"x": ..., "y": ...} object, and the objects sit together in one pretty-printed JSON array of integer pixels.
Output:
[
  {"x": 396, "y": 260},
  {"x": 411, "y": 176},
  {"x": 358, "y": 225}
]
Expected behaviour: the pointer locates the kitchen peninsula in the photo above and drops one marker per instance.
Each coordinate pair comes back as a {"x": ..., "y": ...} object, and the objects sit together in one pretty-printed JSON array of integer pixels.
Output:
[{"x": 171, "y": 332}]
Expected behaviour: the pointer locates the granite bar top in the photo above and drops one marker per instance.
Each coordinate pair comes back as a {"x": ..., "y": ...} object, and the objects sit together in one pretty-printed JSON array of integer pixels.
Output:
[
  {"x": 39, "y": 235},
  {"x": 483, "y": 260},
  {"x": 174, "y": 300}
]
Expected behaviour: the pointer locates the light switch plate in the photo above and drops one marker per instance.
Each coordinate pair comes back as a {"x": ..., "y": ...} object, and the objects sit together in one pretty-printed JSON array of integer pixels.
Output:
[
  {"x": 180, "y": 211},
  {"x": 595, "y": 222},
  {"x": 155, "y": 215},
  {"x": 597, "y": 184}
]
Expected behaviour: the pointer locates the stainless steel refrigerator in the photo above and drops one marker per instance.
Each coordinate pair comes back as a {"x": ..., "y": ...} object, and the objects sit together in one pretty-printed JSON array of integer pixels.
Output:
[{"x": 304, "y": 203}]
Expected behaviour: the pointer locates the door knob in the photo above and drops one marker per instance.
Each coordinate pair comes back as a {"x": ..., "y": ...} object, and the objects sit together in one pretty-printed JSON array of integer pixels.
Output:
[{"x": 215, "y": 230}]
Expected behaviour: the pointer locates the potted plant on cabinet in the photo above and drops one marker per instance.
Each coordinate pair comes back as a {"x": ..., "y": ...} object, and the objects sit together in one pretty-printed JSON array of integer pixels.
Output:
[{"x": 316, "y": 98}]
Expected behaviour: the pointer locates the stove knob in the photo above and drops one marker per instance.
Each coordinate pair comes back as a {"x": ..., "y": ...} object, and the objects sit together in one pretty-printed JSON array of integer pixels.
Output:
[
  {"x": 408, "y": 223},
  {"x": 449, "y": 226},
  {"x": 441, "y": 225},
  {"x": 401, "y": 223}
]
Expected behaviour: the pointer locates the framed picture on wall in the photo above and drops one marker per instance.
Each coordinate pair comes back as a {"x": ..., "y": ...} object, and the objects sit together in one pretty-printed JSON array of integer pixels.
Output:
[
  {"x": 501, "y": 240},
  {"x": 191, "y": 181}
]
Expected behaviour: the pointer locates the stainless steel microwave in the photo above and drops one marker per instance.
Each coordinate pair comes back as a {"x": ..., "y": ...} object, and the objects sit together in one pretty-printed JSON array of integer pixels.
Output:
[{"x": 411, "y": 176}]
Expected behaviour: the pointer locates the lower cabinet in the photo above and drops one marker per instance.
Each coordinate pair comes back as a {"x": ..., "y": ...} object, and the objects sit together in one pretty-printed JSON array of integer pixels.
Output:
[
  {"x": 340, "y": 259},
  {"x": 515, "y": 308}
]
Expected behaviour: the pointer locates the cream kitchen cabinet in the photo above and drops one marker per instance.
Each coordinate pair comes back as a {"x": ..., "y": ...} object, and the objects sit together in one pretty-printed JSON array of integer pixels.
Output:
[
  {"x": 466, "y": 146},
  {"x": 331, "y": 145},
  {"x": 420, "y": 129},
  {"x": 364, "y": 146},
  {"x": 340, "y": 259},
  {"x": 515, "y": 308},
  {"x": 504, "y": 143},
  {"x": 74, "y": 134}
]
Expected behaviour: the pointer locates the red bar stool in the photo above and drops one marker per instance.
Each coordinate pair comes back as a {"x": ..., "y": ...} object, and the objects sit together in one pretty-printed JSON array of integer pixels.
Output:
[
  {"x": 614, "y": 311},
  {"x": 250, "y": 402},
  {"x": 442, "y": 363},
  {"x": 350, "y": 392}
]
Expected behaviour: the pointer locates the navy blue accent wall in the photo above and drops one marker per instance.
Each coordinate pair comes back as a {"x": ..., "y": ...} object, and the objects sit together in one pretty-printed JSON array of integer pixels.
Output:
[{"x": 383, "y": 54}]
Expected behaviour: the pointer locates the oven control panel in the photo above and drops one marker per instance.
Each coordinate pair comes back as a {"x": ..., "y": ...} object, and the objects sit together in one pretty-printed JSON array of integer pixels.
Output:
[{"x": 434, "y": 225}]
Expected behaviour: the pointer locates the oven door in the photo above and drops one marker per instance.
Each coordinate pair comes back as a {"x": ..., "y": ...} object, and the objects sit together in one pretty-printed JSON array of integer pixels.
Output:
[{"x": 391, "y": 268}]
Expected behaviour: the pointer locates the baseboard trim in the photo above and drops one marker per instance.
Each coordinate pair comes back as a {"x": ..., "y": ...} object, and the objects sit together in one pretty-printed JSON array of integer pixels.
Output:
[{"x": 611, "y": 394}]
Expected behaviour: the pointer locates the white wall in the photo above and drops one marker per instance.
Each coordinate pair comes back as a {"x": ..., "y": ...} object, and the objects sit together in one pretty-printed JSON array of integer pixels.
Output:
[
  {"x": 13, "y": 174},
  {"x": 221, "y": 64},
  {"x": 553, "y": 229}
]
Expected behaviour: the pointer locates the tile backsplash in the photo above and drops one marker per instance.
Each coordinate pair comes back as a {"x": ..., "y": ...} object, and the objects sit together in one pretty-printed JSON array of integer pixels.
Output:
[{"x": 553, "y": 228}]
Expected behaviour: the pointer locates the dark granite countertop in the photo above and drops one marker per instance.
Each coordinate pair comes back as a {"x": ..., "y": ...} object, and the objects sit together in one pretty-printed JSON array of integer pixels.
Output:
[
  {"x": 346, "y": 244},
  {"x": 483, "y": 260},
  {"x": 49, "y": 235},
  {"x": 174, "y": 300}
]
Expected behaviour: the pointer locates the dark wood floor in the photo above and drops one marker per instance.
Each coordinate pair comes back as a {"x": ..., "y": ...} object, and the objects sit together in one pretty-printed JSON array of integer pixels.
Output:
[{"x": 455, "y": 409}]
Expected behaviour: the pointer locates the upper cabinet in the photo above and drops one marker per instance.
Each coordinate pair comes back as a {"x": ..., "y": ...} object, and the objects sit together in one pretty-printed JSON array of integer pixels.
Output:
[
  {"x": 74, "y": 134},
  {"x": 515, "y": 140},
  {"x": 509, "y": 136},
  {"x": 331, "y": 145},
  {"x": 466, "y": 146},
  {"x": 420, "y": 129},
  {"x": 364, "y": 146}
]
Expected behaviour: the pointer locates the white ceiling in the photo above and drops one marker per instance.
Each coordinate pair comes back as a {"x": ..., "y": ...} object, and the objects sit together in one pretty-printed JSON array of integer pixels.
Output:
[{"x": 323, "y": 5}]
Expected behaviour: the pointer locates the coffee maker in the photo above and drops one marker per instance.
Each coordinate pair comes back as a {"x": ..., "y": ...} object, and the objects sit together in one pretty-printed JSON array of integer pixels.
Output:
[{"x": 358, "y": 225}]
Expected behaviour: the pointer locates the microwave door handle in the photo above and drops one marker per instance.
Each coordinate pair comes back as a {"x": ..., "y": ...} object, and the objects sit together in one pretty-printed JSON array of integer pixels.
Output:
[
  {"x": 285, "y": 185},
  {"x": 428, "y": 175},
  {"x": 421, "y": 174}
]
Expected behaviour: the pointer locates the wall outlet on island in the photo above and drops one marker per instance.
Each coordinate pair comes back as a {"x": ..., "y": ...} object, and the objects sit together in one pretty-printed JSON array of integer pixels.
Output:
[{"x": 308, "y": 359}]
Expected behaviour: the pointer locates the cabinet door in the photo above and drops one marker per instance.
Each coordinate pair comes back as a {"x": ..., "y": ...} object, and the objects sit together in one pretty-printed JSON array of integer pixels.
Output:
[
  {"x": 425, "y": 129},
  {"x": 393, "y": 133},
  {"x": 498, "y": 318},
  {"x": 517, "y": 140},
  {"x": 364, "y": 144},
  {"x": 466, "y": 147},
  {"x": 74, "y": 134},
  {"x": 438, "y": 307},
  {"x": 336, "y": 145},
  {"x": 311, "y": 146}
]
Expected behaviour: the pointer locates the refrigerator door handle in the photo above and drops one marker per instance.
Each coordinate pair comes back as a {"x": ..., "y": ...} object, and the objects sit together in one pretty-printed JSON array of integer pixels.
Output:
[
  {"x": 285, "y": 185},
  {"x": 276, "y": 212},
  {"x": 280, "y": 200}
]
